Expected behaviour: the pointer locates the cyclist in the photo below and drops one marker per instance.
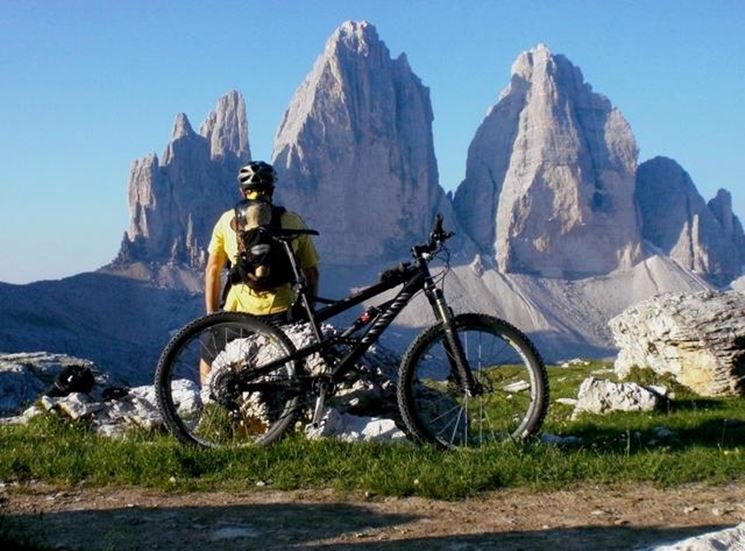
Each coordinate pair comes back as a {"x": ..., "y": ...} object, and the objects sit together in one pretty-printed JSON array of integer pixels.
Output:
[{"x": 256, "y": 182}]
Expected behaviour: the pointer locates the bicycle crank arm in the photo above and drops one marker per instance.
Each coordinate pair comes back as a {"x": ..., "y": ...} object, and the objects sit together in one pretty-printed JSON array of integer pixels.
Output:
[
  {"x": 318, "y": 410},
  {"x": 323, "y": 388}
]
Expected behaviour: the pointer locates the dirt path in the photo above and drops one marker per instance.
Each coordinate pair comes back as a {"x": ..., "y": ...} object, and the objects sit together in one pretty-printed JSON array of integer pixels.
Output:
[{"x": 583, "y": 518}]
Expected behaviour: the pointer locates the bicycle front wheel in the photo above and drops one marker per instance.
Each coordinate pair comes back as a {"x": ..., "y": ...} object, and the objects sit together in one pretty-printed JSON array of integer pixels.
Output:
[
  {"x": 512, "y": 395},
  {"x": 205, "y": 389}
]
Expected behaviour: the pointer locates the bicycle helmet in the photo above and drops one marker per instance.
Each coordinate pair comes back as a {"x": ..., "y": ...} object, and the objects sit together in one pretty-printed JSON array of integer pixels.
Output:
[{"x": 257, "y": 176}]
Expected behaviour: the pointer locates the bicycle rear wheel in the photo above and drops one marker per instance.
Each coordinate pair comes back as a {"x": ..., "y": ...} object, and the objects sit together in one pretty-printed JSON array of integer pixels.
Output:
[
  {"x": 505, "y": 364},
  {"x": 201, "y": 382}
]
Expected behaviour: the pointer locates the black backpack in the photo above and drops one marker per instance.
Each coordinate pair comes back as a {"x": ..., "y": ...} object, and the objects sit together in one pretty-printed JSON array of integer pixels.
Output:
[{"x": 262, "y": 261}]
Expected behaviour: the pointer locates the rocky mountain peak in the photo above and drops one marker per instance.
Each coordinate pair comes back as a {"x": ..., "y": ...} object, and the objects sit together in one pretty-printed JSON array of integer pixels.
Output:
[
  {"x": 181, "y": 127},
  {"x": 550, "y": 172},
  {"x": 536, "y": 60},
  {"x": 706, "y": 238},
  {"x": 355, "y": 153},
  {"x": 721, "y": 208},
  {"x": 175, "y": 201},
  {"x": 226, "y": 128},
  {"x": 355, "y": 36}
]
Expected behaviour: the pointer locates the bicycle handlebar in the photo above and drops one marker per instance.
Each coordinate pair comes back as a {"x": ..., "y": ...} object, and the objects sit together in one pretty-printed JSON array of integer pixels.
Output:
[{"x": 436, "y": 238}]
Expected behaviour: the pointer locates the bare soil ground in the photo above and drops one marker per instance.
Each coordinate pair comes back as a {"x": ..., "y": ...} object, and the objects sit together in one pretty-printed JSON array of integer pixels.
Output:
[{"x": 578, "y": 518}]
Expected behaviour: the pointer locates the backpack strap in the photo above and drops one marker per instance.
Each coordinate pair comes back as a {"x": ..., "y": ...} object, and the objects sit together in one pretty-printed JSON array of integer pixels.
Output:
[{"x": 277, "y": 213}]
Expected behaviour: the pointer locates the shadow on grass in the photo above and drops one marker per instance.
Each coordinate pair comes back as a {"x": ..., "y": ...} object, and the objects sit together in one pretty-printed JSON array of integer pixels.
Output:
[
  {"x": 300, "y": 525},
  {"x": 716, "y": 432},
  {"x": 695, "y": 404}
]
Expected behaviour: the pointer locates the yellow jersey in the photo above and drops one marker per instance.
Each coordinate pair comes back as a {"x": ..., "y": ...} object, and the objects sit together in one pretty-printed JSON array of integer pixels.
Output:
[{"x": 241, "y": 298}]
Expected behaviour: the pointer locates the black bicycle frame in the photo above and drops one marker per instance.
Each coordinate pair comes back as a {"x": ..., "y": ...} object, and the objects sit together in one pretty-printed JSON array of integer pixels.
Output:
[{"x": 413, "y": 279}]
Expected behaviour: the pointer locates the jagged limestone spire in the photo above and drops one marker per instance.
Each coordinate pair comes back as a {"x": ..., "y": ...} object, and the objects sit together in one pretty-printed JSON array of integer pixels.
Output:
[
  {"x": 549, "y": 187},
  {"x": 226, "y": 128},
  {"x": 355, "y": 153}
]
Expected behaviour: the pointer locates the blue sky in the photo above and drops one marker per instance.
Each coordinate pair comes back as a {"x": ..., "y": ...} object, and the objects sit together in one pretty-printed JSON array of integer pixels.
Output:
[{"x": 86, "y": 87}]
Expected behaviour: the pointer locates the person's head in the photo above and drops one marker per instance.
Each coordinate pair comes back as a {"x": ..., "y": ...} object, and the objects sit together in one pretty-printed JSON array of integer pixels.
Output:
[{"x": 256, "y": 180}]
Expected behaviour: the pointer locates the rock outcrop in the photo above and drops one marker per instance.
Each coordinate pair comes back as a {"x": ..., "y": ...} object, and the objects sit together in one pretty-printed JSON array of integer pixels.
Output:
[
  {"x": 24, "y": 376},
  {"x": 698, "y": 338},
  {"x": 355, "y": 153},
  {"x": 600, "y": 396},
  {"x": 174, "y": 201},
  {"x": 705, "y": 238},
  {"x": 727, "y": 538},
  {"x": 363, "y": 407},
  {"x": 549, "y": 187}
]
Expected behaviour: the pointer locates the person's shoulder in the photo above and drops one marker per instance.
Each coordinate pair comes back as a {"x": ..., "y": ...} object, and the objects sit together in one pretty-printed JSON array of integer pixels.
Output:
[
  {"x": 225, "y": 219},
  {"x": 292, "y": 220}
]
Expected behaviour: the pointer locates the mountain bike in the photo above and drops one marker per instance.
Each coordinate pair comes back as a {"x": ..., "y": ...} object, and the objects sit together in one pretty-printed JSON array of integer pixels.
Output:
[{"x": 230, "y": 379}]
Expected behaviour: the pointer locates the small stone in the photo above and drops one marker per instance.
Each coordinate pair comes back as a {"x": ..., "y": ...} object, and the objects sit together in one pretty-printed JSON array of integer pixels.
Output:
[
  {"x": 566, "y": 401},
  {"x": 663, "y": 432},
  {"x": 516, "y": 387},
  {"x": 555, "y": 440},
  {"x": 576, "y": 362}
]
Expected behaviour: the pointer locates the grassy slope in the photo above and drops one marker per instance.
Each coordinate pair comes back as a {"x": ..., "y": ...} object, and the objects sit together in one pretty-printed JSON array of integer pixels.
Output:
[{"x": 708, "y": 444}]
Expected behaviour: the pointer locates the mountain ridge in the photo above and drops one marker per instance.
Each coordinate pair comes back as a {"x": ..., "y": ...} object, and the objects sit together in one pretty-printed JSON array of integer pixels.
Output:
[{"x": 548, "y": 231}]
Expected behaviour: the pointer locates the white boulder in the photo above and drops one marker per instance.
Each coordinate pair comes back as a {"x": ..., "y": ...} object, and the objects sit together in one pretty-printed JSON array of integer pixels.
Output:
[
  {"x": 697, "y": 338},
  {"x": 601, "y": 396}
]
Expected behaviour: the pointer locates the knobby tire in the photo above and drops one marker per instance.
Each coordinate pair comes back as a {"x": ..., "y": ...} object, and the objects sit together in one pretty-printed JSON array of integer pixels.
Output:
[
  {"x": 434, "y": 404},
  {"x": 230, "y": 343}
]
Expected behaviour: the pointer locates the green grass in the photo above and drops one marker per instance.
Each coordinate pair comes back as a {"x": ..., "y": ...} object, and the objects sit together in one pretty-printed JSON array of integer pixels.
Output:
[{"x": 707, "y": 444}]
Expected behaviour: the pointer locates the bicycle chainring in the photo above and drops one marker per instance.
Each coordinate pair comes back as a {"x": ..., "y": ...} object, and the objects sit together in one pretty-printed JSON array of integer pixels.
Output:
[{"x": 225, "y": 389}]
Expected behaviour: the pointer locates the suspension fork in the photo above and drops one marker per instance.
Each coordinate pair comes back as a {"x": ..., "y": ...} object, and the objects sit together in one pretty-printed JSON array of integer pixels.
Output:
[{"x": 453, "y": 347}]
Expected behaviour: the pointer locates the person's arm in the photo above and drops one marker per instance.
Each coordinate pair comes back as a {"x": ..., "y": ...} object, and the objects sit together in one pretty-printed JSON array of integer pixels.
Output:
[
  {"x": 311, "y": 278},
  {"x": 215, "y": 263}
]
